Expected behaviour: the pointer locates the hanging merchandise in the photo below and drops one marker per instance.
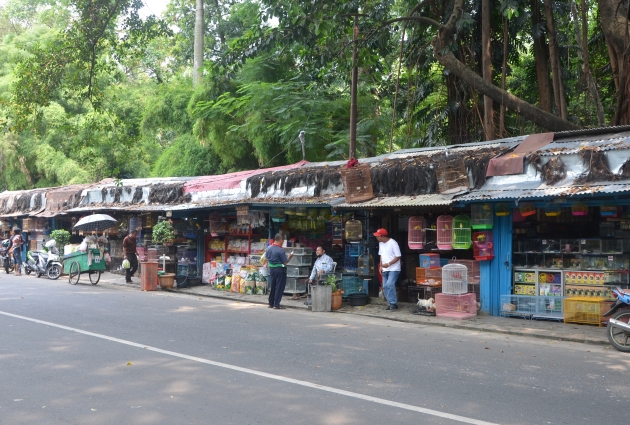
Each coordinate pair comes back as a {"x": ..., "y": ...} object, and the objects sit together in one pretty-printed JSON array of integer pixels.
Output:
[
  {"x": 481, "y": 216},
  {"x": 278, "y": 215},
  {"x": 416, "y": 232},
  {"x": 354, "y": 231},
  {"x": 300, "y": 211},
  {"x": 323, "y": 214},
  {"x": 462, "y": 232},
  {"x": 579, "y": 209},
  {"x": 290, "y": 211},
  {"x": 552, "y": 209},
  {"x": 517, "y": 217},
  {"x": 483, "y": 246},
  {"x": 502, "y": 209},
  {"x": 609, "y": 211},
  {"x": 445, "y": 232},
  {"x": 527, "y": 209}
]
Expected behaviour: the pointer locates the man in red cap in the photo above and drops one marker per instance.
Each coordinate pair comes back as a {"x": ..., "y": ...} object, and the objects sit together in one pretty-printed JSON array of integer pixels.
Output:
[{"x": 389, "y": 251}]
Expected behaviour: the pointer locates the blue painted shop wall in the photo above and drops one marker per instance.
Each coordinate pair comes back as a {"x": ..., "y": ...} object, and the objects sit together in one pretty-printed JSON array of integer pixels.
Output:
[{"x": 496, "y": 275}]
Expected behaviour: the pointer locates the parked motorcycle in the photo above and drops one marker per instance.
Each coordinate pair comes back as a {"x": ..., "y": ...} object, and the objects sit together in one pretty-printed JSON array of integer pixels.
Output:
[
  {"x": 5, "y": 255},
  {"x": 44, "y": 263},
  {"x": 618, "y": 330}
]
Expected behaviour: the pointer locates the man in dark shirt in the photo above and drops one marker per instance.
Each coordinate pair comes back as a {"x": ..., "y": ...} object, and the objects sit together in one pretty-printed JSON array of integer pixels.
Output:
[
  {"x": 129, "y": 248},
  {"x": 276, "y": 261}
]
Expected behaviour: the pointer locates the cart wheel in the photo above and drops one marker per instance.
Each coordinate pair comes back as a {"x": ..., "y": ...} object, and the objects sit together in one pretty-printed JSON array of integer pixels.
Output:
[
  {"x": 74, "y": 272},
  {"x": 95, "y": 277}
]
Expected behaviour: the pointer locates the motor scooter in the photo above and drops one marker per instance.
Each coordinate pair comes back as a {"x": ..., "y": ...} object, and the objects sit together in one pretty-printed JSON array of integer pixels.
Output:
[
  {"x": 6, "y": 258},
  {"x": 40, "y": 262},
  {"x": 618, "y": 330}
]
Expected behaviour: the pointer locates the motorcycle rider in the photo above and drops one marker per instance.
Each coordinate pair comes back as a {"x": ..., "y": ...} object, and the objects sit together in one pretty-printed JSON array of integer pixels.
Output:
[{"x": 16, "y": 248}]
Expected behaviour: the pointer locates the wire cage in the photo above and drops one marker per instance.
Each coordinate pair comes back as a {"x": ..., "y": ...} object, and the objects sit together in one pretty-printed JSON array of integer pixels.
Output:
[
  {"x": 481, "y": 216},
  {"x": 472, "y": 266},
  {"x": 445, "y": 232},
  {"x": 609, "y": 210},
  {"x": 552, "y": 209},
  {"x": 483, "y": 246},
  {"x": 454, "y": 279},
  {"x": 278, "y": 215},
  {"x": 433, "y": 276},
  {"x": 502, "y": 209},
  {"x": 452, "y": 176},
  {"x": 416, "y": 232},
  {"x": 579, "y": 208},
  {"x": 527, "y": 208},
  {"x": 357, "y": 183},
  {"x": 462, "y": 232},
  {"x": 354, "y": 231},
  {"x": 462, "y": 306}
]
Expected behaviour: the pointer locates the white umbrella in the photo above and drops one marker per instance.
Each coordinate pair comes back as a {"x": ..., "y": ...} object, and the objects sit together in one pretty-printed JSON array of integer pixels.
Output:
[{"x": 95, "y": 222}]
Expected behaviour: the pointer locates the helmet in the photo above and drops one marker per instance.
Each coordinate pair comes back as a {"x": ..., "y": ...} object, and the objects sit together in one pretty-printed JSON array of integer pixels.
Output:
[
  {"x": 6, "y": 243},
  {"x": 51, "y": 243}
]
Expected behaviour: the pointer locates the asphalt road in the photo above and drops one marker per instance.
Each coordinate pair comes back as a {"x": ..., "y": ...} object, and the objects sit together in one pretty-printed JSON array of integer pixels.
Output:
[{"x": 111, "y": 355}]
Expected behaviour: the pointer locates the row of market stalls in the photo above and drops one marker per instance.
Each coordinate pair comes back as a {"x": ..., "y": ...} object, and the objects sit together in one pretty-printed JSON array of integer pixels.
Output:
[{"x": 540, "y": 223}]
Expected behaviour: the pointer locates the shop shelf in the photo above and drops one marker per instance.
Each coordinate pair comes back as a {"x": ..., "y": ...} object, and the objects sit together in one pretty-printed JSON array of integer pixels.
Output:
[
  {"x": 293, "y": 271},
  {"x": 457, "y": 306}
]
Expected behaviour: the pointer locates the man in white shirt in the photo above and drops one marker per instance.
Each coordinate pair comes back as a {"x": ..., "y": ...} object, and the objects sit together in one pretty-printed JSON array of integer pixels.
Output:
[{"x": 389, "y": 251}]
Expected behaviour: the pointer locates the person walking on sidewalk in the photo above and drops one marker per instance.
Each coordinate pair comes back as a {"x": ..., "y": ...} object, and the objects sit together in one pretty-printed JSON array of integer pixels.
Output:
[
  {"x": 129, "y": 247},
  {"x": 389, "y": 251},
  {"x": 16, "y": 248},
  {"x": 277, "y": 260}
]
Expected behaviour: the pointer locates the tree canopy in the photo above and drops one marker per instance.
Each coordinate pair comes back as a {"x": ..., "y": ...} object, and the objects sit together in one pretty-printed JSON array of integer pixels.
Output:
[{"x": 91, "y": 89}]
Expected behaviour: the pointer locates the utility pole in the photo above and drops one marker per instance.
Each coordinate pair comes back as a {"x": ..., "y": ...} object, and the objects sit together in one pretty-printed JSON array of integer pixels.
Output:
[
  {"x": 198, "y": 44},
  {"x": 353, "y": 90}
]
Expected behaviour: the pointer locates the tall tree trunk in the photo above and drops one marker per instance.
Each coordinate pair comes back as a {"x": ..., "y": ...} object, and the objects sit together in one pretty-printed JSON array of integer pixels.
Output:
[
  {"x": 457, "y": 101},
  {"x": 198, "y": 47},
  {"x": 615, "y": 23},
  {"x": 581, "y": 36},
  {"x": 556, "y": 69},
  {"x": 486, "y": 68},
  {"x": 541, "y": 56},
  {"x": 503, "y": 76}
]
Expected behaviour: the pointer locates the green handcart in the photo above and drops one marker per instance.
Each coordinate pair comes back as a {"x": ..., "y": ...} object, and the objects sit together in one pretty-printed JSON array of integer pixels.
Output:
[{"x": 77, "y": 262}]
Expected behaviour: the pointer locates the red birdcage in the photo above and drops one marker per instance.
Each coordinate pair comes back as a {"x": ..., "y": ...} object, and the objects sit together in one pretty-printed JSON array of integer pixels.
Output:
[
  {"x": 483, "y": 246},
  {"x": 445, "y": 232},
  {"x": 416, "y": 232}
]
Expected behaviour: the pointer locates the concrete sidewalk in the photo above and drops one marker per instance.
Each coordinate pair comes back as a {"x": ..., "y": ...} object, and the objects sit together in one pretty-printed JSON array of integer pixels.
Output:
[{"x": 546, "y": 329}]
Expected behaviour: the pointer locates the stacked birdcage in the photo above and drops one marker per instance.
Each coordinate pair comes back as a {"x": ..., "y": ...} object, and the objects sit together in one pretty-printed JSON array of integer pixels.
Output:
[
  {"x": 454, "y": 279},
  {"x": 452, "y": 176},
  {"x": 445, "y": 232},
  {"x": 481, "y": 217},
  {"x": 462, "y": 232},
  {"x": 416, "y": 232},
  {"x": 455, "y": 306}
]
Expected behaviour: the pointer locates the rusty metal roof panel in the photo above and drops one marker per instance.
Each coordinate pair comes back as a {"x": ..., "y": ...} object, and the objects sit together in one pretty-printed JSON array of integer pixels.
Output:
[
  {"x": 400, "y": 201},
  {"x": 549, "y": 192},
  {"x": 569, "y": 147}
]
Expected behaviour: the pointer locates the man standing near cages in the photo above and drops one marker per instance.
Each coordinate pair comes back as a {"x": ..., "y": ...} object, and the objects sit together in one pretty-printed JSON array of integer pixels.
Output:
[{"x": 389, "y": 251}]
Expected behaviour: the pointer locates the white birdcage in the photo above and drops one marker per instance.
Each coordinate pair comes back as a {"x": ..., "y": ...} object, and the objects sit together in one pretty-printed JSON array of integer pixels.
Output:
[
  {"x": 416, "y": 232},
  {"x": 454, "y": 279}
]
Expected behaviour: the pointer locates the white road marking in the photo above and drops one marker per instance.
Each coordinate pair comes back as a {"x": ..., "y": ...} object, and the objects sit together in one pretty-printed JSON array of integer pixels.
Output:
[{"x": 263, "y": 374}]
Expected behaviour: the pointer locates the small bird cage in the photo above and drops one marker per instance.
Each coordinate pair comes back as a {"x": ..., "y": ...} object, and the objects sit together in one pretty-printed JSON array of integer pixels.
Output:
[
  {"x": 416, "y": 232},
  {"x": 483, "y": 246},
  {"x": 277, "y": 215},
  {"x": 323, "y": 214},
  {"x": 502, "y": 209},
  {"x": 445, "y": 232},
  {"x": 354, "y": 231},
  {"x": 462, "y": 232},
  {"x": 609, "y": 210},
  {"x": 454, "y": 279},
  {"x": 552, "y": 209},
  {"x": 365, "y": 265},
  {"x": 357, "y": 183},
  {"x": 452, "y": 176},
  {"x": 579, "y": 209},
  {"x": 527, "y": 209},
  {"x": 517, "y": 217},
  {"x": 289, "y": 211},
  {"x": 481, "y": 216},
  {"x": 300, "y": 212}
]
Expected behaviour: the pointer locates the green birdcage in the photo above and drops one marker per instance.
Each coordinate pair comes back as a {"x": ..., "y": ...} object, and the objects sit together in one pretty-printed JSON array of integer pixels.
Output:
[
  {"x": 462, "y": 232},
  {"x": 481, "y": 216}
]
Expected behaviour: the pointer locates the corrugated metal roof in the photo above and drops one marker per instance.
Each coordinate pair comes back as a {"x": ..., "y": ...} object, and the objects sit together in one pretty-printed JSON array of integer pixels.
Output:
[
  {"x": 464, "y": 147},
  {"x": 550, "y": 192},
  {"x": 573, "y": 146},
  {"x": 400, "y": 201}
]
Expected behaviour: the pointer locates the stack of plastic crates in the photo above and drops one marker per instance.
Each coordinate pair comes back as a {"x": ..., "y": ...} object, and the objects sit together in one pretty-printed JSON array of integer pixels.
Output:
[
  {"x": 353, "y": 285},
  {"x": 462, "y": 306}
]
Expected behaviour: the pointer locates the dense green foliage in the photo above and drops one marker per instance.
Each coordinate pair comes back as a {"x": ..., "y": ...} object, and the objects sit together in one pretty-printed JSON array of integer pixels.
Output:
[{"x": 89, "y": 89}]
